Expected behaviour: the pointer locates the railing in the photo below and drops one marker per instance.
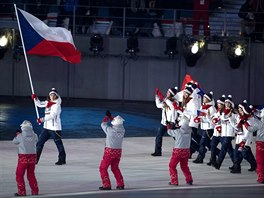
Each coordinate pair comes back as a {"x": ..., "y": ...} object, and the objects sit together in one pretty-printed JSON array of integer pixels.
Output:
[{"x": 121, "y": 22}]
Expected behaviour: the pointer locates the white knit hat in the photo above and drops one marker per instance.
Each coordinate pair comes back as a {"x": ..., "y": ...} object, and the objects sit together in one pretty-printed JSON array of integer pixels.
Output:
[
  {"x": 117, "y": 120},
  {"x": 209, "y": 96},
  {"x": 173, "y": 90},
  {"x": 229, "y": 99},
  {"x": 26, "y": 123},
  {"x": 53, "y": 91},
  {"x": 221, "y": 100}
]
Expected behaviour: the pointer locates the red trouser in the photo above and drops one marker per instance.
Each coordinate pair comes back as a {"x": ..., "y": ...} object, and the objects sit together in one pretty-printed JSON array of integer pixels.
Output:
[
  {"x": 182, "y": 156},
  {"x": 260, "y": 160},
  {"x": 26, "y": 162},
  {"x": 111, "y": 157},
  {"x": 201, "y": 12}
]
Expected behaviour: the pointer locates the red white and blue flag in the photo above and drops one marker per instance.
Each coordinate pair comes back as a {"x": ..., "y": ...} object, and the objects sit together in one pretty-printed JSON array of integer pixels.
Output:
[{"x": 40, "y": 39}]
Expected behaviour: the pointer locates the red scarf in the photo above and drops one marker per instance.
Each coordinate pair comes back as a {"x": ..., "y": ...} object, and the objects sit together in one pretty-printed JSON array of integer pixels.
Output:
[
  {"x": 220, "y": 110},
  {"x": 49, "y": 104},
  {"x": 206, "y": 106},
  {"x": 243, "y": 119},
  {"x": 227, "y": 111}
]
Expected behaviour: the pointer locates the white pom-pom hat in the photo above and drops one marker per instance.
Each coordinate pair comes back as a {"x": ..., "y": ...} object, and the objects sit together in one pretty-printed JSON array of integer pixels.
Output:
[
  {"x": 117, "y": 120},
  {"x": 26, "y": 123},
  {"x": 209, "y": 96},
  {"x": 53, "y": 91}
]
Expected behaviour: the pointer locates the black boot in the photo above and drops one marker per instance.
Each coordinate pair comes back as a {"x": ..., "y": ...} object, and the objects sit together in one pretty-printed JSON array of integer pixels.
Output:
[
  {"x": 252, "y": 168},
  {"x": 217, "y": 165},
  {"x": 231, "y": 167},
  {"x": 198, "y": 160},
  {"x": 60, "y": 162},
  {"x": 120, "y": 187},
  {"x": 156, "y": 154},
  {"x": 104, "y": 188},
  {"x": 236, "y": 169},
  {"x": 18, "y": 195},
  {"x": 209, "y": 163},
  {"x": 212, "y": 160}
]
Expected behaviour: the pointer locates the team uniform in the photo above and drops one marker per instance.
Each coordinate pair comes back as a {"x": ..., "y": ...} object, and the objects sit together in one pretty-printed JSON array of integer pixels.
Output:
[
  {"x": 243, "y": 139},
  {"x": 112, "y": 152},
  {"x": 27, "y": 158},
  {"x": 227, "y": 132},
  {"x": 168, "y": 115},
  {"x": 190, "y": 106},
  {"x": 52, "y": 126},
  {"x": 181, "y": 152},
  {"x": 206, "y": 112}
]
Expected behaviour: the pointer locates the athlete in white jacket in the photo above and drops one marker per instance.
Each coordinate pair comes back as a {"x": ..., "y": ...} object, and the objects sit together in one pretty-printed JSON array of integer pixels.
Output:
[
  {"x": 206, "y": 112},
  {"x": 52, "y": 124},
  {"x": 168, "y": 114},
  {"x": 243, "y": 138},
  {"x": 227, "y": 131}
]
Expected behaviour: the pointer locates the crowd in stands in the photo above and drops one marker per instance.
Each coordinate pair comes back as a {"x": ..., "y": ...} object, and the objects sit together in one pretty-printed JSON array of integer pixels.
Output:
[{"x": 141, "y": 16}]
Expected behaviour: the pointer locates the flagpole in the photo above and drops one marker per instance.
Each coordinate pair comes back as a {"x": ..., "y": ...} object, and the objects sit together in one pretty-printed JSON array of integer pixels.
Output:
[{"x": 25, "y": 54}]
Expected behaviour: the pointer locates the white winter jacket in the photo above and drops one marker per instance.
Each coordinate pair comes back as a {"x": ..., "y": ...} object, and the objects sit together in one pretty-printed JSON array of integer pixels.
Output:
[
  {"x": 244, "y": 134},
  {"x": 227, "y": 129},
  {"x": 191, "y": 110},
  {"x": 217, "y": 116},
  {"x": 206, "y": 121},
  {"x": 168, "y": 112},
  {"x": 52, "y": 120}
]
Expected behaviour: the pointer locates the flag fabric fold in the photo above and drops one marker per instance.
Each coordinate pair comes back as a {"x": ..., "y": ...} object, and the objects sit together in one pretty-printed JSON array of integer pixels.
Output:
[
  {"x": 40, "y": 39},
  {"x": 187, "y": 78}
]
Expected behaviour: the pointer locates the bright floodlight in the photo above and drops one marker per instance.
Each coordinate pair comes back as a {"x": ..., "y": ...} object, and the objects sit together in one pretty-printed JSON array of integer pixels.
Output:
[
  {"x": 195, "y": 48},
  {"x": 238, "y": 51},
  {"x": 3, "y": 41}
]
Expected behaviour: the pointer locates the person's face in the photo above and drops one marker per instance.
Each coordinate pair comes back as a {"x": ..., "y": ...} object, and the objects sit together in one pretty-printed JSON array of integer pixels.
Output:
[
  {"x": 227, "y": 105},
  {"x": 168, "y": 95},
  {"x": 53, "y": 96},
  {"x": 205, "y": 100},
  {"x": 240, "y": 111},
  {"x": 220, "y": 106},
  {"x": 185, "y": 95}
]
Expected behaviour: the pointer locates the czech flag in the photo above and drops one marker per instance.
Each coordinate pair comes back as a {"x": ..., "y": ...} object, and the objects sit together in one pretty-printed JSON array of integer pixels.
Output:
[
  {"x": 186, "y": 79},
  {"x": 40, "y": 39}
]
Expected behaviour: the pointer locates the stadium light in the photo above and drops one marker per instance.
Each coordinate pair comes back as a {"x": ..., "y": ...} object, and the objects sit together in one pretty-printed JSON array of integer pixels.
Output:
[
  {"x": 3, "y": 41},
  {"x": 6, "y": 40},
  {"x": 236, "y": 50},
  {"x": 96, "y": 44},
  {"x": 132, "y": 45},
  {"x": 193, "y": 48},
  {"x": 171, "y": 47}
]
